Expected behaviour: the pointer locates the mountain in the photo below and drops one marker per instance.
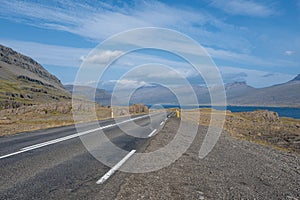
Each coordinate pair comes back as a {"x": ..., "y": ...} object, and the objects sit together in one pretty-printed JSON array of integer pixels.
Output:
[
  {"x": 296, "y": 79},
  {"x": 23, "y": 81},
  {"x": 286, "y": 94},
  {"x": 237, "y": 93},
  {"x": 153, "y": 94},
  {"x": 101, "y": 96},
  {"x": 157, "y": 94}
]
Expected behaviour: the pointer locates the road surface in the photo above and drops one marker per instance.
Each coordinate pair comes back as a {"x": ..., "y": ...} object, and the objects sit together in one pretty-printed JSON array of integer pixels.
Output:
[
  {"x": 54, "y": 163},
  {"x": 64, "y": 169}
]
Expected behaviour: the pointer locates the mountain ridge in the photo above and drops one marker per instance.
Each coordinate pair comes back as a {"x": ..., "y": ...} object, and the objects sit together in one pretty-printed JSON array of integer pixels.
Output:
[
  {"x": 297, "y": 78},
  {"x": 23, "y": 81},
  {"x": 237, "y": 94}
]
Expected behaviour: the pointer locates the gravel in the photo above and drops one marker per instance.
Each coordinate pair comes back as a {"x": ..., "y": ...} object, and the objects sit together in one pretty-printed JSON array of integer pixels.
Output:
[{"x": 234, "y": 169}]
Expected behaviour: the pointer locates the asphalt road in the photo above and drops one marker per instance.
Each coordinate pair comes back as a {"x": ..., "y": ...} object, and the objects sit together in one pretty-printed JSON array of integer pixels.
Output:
[{"x": 54, "y": 164}]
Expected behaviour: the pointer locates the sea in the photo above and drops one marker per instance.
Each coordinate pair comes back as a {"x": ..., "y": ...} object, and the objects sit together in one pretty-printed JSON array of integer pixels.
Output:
[{"x": 282, "y": 111}]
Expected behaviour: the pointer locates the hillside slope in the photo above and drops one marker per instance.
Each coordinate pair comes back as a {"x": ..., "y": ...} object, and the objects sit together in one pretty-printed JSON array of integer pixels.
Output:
[{"x": 23, "y": 81}]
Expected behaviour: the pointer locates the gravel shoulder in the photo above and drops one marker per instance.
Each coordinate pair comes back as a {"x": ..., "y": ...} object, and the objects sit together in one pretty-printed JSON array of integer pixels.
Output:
[{"x": 234, "y": 169}]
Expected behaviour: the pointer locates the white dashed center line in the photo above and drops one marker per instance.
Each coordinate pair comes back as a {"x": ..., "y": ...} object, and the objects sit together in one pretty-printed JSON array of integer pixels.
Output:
[
  {"x": 115, "y": 168},
  {"x": 152, "y": 132}
]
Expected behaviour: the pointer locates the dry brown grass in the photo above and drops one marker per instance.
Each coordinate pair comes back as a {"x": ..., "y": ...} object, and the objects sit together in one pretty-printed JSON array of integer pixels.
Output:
[
  {"x": 281, "y": 133},
  {"x": 26, "y": 119}
]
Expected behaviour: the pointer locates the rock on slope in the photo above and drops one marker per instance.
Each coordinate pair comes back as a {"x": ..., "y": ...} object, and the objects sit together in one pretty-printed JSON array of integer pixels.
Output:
[{"x": 23, "y": 81}]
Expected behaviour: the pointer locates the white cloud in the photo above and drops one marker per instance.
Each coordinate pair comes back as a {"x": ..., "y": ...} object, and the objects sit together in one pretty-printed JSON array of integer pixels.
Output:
[
  {"x": 91, "y": 83},
  {"x": 73, "y": 57},
  {"x": 249, "y": 60},
  {"x": 255, "y": 78},
  {"x": 103, "y": 57},
  {"x": 243, "y": 7},
  {"x": 289, "y": 53},
  {"x": 101, "y": 21},
  {"x": 123, "y": 84},
  {"x": 97, "y": 22}
]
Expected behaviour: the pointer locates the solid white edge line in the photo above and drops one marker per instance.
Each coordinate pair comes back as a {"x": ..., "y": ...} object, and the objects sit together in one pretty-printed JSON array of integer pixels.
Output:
[
  {"x": 161, "y": 123},
  {"x": 60, "y": 139},
  {"x": 115, "y": 168},
  {"x": 75, "y": 135},
  {"x": 36, "y": 146},
  {"x": 12, "y": 154},
  {"x": 152, "y": 132}
]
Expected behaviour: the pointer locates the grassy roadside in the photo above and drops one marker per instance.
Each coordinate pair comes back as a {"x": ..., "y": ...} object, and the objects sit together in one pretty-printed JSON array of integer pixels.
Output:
[
  {"x": 30, "y": 118},
  {"x": 262, "y": 127}
]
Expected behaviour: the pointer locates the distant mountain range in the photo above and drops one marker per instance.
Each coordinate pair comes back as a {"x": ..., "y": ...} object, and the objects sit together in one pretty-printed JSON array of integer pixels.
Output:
[
  {"x": 23, "y": 81},
  {"x": 101, "y": 96},
  {"x": 286, "y": 94},
  {"x": 237, "y": 93}
]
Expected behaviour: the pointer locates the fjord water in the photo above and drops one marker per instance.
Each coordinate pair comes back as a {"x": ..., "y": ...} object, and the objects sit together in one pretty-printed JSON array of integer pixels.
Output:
[{"x": 282, "y": 111}]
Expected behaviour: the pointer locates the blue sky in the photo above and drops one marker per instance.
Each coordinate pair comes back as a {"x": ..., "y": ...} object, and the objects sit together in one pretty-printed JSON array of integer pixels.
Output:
[{"x": 253, "y": 41}]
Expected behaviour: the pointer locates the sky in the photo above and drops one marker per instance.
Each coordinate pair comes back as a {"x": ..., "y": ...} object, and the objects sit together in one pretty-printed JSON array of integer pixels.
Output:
[{"x": 253, "y": 41}]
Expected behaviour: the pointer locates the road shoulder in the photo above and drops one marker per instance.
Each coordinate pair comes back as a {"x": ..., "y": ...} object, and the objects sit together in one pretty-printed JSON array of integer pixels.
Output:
[{"x": 235, "y": 169}]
